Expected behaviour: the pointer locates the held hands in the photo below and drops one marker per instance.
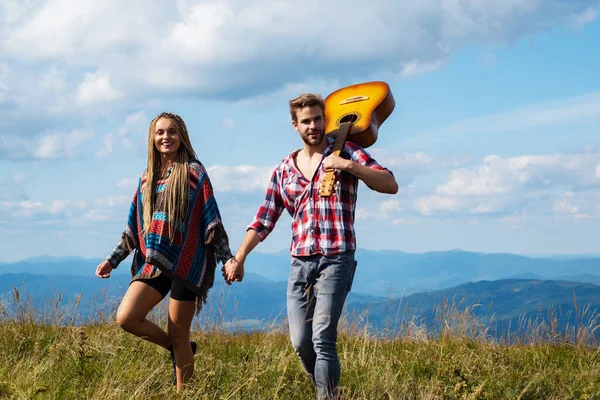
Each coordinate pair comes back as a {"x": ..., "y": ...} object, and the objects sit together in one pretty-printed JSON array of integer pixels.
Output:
[
  {"x": 233, "y": 271},
  {"x": 103, "y": 270},
  {"x": 333, "y": 161}
]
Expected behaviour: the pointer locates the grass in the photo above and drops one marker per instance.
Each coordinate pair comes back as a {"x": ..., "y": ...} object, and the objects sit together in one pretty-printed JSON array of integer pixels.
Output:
[{"x": 44, "y": 356}]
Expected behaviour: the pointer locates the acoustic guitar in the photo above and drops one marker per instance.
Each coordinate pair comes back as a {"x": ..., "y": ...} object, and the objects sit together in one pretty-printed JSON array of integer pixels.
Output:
[{"x": 355, "y": 113}]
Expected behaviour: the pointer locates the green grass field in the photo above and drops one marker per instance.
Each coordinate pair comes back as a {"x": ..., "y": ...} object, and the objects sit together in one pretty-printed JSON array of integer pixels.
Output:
[{"x": 41, "y": 358}]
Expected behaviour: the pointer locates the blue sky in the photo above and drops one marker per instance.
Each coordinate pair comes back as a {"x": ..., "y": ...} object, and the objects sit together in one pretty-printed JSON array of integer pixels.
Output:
[{"x": 495, "y": 138}]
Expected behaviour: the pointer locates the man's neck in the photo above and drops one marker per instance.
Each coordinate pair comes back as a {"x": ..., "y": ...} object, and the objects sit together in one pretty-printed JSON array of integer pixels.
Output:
[{"x": 312, "y": 151}]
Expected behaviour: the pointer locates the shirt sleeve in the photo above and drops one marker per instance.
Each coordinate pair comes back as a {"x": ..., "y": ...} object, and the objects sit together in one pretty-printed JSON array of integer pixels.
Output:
[
  {"x": 222, "y": 249},
  {"x": 270, "y": 210},
  {"x": 128, "y": 243},
  {"x": 362, "y": 156},
  {"x": 119, "y": 253}
]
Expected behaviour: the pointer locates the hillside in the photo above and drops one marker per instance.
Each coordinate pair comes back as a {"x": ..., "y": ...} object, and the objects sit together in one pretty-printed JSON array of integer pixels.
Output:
[
  {"x": 506, "y": 306},
  {"x": 379, "y": 273}
]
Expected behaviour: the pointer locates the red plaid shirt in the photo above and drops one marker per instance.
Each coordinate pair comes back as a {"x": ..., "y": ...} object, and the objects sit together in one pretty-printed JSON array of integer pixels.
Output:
[{"x": 320, "y": 225}]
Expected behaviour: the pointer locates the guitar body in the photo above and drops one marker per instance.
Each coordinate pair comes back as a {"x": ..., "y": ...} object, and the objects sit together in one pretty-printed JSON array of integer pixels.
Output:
[
  {"x": 355, "y": 113},
  {"x": 364, "y": 105}
]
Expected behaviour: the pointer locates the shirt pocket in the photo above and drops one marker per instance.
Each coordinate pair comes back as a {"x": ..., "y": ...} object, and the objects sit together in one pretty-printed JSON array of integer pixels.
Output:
[{"x": 295, "y": 188}]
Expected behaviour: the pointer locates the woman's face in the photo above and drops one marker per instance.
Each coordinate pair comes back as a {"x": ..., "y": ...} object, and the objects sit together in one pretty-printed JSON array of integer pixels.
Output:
[{"x": 166, "y": 138}]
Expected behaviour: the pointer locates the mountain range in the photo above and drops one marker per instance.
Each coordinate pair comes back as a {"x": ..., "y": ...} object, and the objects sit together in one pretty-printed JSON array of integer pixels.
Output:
[
  {"x": 389, "y": 286},
  {"x": 384, "y": 273}
]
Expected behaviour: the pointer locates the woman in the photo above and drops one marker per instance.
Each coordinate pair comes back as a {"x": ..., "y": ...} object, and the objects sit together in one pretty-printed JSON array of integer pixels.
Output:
[{"x": 176, "y": 231}]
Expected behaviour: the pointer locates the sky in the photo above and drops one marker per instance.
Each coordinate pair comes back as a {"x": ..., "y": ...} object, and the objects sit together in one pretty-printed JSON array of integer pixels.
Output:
[{"x": 494, "y": 140}]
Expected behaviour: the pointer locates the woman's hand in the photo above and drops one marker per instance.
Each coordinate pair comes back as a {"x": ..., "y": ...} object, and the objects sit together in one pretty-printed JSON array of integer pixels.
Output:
[{"x": 104, "y": 269}]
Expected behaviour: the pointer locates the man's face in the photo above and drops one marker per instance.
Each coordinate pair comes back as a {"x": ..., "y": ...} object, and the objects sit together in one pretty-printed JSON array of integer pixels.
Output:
[{"x": 310, "y": 123}]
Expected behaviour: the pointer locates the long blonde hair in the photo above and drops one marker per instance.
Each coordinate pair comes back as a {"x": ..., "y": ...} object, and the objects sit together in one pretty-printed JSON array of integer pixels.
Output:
[{"x": 176, "y": 195}]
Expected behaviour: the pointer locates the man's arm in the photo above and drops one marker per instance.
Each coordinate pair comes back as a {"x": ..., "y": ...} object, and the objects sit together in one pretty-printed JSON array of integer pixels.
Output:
[
  {"x": 233, "y": 270},
  {"x": 379, "y": 180},
  {"x": 257, "y": 231},
  {"x": 251, "y": 240}
]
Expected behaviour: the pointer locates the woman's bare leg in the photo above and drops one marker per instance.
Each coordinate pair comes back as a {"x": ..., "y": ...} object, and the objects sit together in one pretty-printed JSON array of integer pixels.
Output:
[
  {"x": 181, "y": 314},
  {"x": 131, "y": 316}
]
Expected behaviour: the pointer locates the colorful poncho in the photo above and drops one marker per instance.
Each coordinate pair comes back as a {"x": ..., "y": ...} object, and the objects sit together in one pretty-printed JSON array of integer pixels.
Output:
[{"x": 190, "y": 258}]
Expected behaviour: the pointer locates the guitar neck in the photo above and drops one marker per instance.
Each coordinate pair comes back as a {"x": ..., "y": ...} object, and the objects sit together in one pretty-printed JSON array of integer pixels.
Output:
[{"x": 338, "y": 145}]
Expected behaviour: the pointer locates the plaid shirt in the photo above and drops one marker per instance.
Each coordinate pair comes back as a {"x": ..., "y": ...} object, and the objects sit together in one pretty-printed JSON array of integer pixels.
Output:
[{"x": 320, "y": 225}]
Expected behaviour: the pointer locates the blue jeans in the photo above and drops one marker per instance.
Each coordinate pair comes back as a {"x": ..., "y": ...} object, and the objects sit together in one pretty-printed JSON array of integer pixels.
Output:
[{"x": 316, "y": 292}]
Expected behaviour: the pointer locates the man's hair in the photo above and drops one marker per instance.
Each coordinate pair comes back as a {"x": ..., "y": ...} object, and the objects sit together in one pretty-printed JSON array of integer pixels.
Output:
[{"x": 306, "y": 100}]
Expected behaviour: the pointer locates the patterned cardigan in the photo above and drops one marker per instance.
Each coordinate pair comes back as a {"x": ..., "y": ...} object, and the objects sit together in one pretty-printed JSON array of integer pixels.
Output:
[{"x": 198, "y": 244}]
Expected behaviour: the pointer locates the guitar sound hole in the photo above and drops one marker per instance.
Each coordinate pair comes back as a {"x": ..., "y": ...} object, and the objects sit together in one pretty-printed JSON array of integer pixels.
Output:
[{"x": 352, "y": 118}]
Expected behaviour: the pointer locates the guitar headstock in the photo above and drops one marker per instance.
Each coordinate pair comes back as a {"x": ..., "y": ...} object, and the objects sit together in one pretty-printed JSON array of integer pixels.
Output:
[{"x": 327, "y": 184}]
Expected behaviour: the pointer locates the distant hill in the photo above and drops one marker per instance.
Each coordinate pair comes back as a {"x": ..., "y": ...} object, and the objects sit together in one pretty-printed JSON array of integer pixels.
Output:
[
  {"x": 383, "y": 273},
  {"x": 504, "y": 304},
  {"x": 255, "y": 298},
  {"x": 403, "y": 273},
  {"x": 46, "y": 265}
]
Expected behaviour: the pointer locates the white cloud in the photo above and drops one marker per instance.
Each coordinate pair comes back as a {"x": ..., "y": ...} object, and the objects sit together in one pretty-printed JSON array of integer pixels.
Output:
[
  {"x": 68, "y": 28},
  {"x": 404, "y": 160},
  {"x": 489, "y": 206},
  {"x": 126, "y": 133},
  {"x": 416, "y": 68},
  {"x": 96, "y": 215},
  {"x": 217, "y": 47},
  {"x": 67, "y": 60},
  {"x": 54, "y": 79},
  {"x": 27, "y": 208},
  {"x": 68, "y": 212},
  {"x": 577, "y": 205},
  {"x": 58, "y": 206},
  {"x": 409, "y": 166},
  {"x": 47, "y": 146},
  {"x": 388, "y": 205},
  {"x": 362, "y": 213},
  {"x": 40, "y": 211},
  {"x": 564, "y": 185},
  {"x": 108, "y": 146},
  {"x": 242, "y": 178},
  {"x": 405, "y": 221},
  {"x": 135, "y": 123},
  {"x": 60, "y": 145},
  {"x": 135, "y": 119},
  {"x": 498, "y": 175},
  {"x": 430, "y": 204},
  {"x": 96, "y": 88},
  {"x": 127, "y": 183},
  {"x": 4, "y": 76},
  {"x": 516, "y": 220},
  {"x": 118, "y": 201},
  {"x": 580, "y": 20}
]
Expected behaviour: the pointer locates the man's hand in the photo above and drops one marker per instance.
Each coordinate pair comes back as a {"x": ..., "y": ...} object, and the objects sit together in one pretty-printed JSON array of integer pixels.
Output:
[
  {"x": 104, "y": 269},
  {"x": 379, "y": 180},
  {"x": 233, "y": 271},
  {"x": 333, "y": 161}
]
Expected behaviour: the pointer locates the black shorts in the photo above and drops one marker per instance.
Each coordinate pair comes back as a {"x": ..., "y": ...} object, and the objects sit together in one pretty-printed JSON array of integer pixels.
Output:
[{"x": 163, "y": 284}]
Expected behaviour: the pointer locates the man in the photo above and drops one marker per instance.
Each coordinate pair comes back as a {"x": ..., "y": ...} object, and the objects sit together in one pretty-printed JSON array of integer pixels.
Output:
[{"x": 323, "y": 240}]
